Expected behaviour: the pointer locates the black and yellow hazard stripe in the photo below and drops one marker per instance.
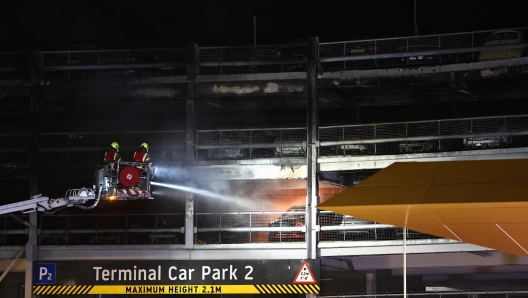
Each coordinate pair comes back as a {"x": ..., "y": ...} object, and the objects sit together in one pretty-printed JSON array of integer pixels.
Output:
[
  {"x": 61, "y": 290},
  {"x": 288, "y": 289},
  {"x": 178, "y": 289}
]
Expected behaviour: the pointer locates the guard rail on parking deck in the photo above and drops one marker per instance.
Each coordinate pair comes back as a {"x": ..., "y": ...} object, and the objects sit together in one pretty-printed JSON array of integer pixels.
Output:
[
  {"x": 408, "y": 51},
  {"x": 114, "y": 63},
  {"x": 242, "y": 144},
  {"x": 211, "y": 228},
  {"x": 290, "y": 57},
  {"x": 166, "y": 145},
  {"x": 366, "y": 139}
]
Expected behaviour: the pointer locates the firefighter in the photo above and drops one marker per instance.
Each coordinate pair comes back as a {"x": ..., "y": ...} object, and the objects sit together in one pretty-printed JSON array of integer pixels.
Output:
[
  {"x": 142, "y": 156},
  {"x": 112, "y": 155}
]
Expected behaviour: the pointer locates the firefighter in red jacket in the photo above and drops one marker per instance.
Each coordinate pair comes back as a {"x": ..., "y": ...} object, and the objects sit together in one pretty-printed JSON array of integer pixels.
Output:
[
  {"x": 142, "y": 156},
  {"x": 112, "y": 155}
]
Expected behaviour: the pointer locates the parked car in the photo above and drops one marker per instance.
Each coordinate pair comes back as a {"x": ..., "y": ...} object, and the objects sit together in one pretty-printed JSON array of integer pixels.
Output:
[
  {"x": 228, "y": 153},
  {"x": 500, "y": 38},
  {"x": 412, "y": 147},
  {"x": 418, "y": 48},
  {"x": 350, "y": 149},
  {"x": 295, "y": 217},
  {"x": 293, "y": 151},
  {"x": 359, "y": 49},
  {"x": 487, "y": 142},
  {"x": 289, "y": 219}
]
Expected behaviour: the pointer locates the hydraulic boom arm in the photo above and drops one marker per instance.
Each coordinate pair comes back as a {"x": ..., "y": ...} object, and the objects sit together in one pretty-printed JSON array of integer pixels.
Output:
[{"x": 73, "y": 198}]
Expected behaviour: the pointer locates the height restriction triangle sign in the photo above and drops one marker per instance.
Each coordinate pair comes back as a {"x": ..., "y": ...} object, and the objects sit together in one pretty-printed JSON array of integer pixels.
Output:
[{"x": 304, "y": 275}]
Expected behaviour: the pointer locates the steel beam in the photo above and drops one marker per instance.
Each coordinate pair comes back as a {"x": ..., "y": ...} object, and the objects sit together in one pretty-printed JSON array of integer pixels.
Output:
[
  {"x": 425, "y": 53},
  {"x": 252, "y": 77},
  {"x": 312, "y": 188},
  {"x": 251, "y": 172},
  {"x": 394, "y": 247},
  {"x": 31, "y": 246},
  {"x": 190, "y": 131},
  {"x": 417, "y": 70},
  {"x": 434, "y": 263},
  {"x": 159, "y": 91},
  {"x": 173, "y": 252},
  {"x": 352, "y": 163}
]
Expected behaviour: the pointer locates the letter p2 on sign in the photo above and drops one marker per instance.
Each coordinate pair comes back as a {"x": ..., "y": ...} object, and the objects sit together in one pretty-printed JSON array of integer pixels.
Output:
[{"x": 44, "y": 274}]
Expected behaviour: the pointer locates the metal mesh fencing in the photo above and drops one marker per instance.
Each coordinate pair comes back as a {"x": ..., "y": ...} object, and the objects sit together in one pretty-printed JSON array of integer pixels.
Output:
[
  {"x": 428, "y": 44},
  {"x": 424, "y": 136},
  {"x": 14, "y": 66},
  {"x": 289, "y": 226},
  {"x": 212, "y": 228},
  {"x": 255, "y": 59},
  {"x": 337, "y": 227},
  {"x": 249, "y": 144},
  {"x": 14, "y": 148},
  {"x": 230, "y": 228},
  {"x": 114, "y": 63},
  {"x": 12, "y": 231},
  {"x": 368, "y": 139},
  {"x": 90, "y": 146},
  {"x": 290, "y": 57},
  {"x": 111, "y": 229}
]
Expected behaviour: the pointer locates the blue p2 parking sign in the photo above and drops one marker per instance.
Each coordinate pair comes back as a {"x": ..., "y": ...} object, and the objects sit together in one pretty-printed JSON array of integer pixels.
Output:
[{"x": 45, "y": 274}]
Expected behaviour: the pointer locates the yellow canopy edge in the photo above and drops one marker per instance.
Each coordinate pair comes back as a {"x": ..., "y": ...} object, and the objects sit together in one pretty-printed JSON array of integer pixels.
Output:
[{"x": 483, "y": 202}]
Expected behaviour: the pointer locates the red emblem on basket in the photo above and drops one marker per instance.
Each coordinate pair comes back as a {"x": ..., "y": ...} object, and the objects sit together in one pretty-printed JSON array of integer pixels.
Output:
[{"x": 129, "y": 176}]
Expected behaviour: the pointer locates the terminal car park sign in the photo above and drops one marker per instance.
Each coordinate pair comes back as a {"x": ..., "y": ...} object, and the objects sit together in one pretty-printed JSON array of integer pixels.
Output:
[{"x": 177, "y": 277}]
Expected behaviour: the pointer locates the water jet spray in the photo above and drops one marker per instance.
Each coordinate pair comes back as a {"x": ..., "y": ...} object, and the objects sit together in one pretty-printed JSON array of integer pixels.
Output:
[{"x": 205, "y": 193}]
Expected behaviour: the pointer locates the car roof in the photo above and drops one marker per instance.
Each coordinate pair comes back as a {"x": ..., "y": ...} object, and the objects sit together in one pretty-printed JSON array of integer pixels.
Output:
[
  {"x": 297, "y": 208},
  {"x": 506, "y": 31}
]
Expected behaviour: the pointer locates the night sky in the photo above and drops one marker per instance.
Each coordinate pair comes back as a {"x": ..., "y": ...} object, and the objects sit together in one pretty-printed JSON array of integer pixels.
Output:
[{"x": 112, "y": 24}]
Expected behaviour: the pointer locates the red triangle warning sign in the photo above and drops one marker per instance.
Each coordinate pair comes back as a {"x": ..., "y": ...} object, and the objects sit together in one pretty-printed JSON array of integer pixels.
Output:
[{"x": 305, "y": 275}]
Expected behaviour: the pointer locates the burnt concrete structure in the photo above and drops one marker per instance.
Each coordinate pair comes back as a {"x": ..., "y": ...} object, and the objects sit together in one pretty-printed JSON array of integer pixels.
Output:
[{"x": 332, "y": 112}]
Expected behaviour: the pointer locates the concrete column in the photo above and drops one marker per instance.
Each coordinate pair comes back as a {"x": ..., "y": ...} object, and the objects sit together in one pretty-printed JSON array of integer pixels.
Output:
[
  {"x": 371, "y": 283},
  {"x": 31, "y": 246},
  {"x": 312, "y": 197},
  {"x": 190, "y": 128}
]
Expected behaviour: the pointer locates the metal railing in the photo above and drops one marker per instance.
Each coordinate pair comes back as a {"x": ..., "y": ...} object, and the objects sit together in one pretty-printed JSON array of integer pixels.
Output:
[
  {"x": 211, "y": 228},
  {"x": 242, "y": 144},
  {"x": 12, "y": 231},
  {"x": 114, "y": 63},
  {"x": 291, "y": 57},
  {"x": 250, "y": 143},
  {"x": 366, "y": 139},
  {"x": 424, "y": 136},
  {"x": 14, "y": 65},
  {"x": 160, "y": 228},
  {"x": 408, "y": 51},
  {"x": 252, "y": 59},
  {"x": 89, "y": 146}
]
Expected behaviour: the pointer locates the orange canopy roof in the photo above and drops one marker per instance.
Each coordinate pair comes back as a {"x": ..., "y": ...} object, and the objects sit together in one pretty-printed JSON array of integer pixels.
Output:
[{"x": 483, "y": 202}]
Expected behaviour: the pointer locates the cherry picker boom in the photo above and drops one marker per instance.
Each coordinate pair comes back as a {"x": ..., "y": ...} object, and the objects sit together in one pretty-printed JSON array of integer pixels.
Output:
[
  {"x": 76, "y": 197},
  {"x": 115, "y": 181}
]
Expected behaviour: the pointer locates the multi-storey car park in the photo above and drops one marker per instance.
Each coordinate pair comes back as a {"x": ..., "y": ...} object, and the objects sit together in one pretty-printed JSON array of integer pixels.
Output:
[{"x": 266, "y": 131}]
